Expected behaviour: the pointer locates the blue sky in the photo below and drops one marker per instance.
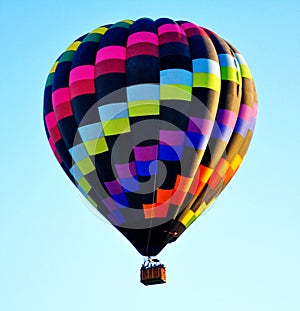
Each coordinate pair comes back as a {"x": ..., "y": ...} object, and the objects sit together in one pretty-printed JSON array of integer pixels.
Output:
[{"x": 243, "y": 254}]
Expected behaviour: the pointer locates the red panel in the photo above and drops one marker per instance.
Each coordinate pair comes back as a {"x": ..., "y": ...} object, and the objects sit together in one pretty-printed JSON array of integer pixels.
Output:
[{"x": 82, "y": 87}]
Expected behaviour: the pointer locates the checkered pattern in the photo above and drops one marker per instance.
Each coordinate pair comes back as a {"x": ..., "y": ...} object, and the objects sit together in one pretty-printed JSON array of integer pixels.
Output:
[{"x": 192, "y": 83}]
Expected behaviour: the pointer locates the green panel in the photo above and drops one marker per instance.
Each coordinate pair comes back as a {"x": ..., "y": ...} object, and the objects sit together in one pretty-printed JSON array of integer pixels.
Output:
[
  {"x": 84, "y": 185},
  {"x": 231, "y": 74},
  {"x": 92, "y": 37},
  {"x": 50, "y": 79},
  {"x": 207, "y": 80},
  {"x": 67, "y": 56},
  {"x": 86, "y": 166},
  {"x": 121, "y": 24},
  {"x": 175, "y": 91},
  {"x": 91, "y": 201}
]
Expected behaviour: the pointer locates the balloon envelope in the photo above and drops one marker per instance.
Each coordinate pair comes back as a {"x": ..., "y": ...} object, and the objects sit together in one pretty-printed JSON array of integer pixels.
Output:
[{"x": 150, "y": 120}]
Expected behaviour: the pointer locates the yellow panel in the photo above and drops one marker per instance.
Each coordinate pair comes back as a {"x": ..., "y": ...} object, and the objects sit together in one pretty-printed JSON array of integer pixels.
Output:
[
  {"x": 143, "y": 108},
  {"x": 210, "y": 203},
  {"x": 245, "y": 71},
  {"x": 86, "y": 166},
  {"x": 176, "y": 91},
  {"x": 186, "y": 217},
  {"x": 207, "y": 80},
  {"x": 91, "y": 201},
  {"x": 100, "y": 30},
  {"x": 236, "y": 162},
  {"x": 128, "y": 21},
  {"x": 116, "y": 126},
  {"x": 84, "y": 184},
  {"x": 73, "y": 46},
  {"x": 54, "y": 67},
  {"x": 201, "y": 209},
  {"x": 96, "y": 146}
]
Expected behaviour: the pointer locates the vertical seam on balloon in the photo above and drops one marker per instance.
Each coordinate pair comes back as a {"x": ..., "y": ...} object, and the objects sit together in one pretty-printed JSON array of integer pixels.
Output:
[{"x": 154, "y": 184}]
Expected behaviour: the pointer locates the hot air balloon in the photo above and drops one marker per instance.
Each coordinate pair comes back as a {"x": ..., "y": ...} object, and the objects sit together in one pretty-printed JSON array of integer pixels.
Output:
[{"x": 150, "y": 119}]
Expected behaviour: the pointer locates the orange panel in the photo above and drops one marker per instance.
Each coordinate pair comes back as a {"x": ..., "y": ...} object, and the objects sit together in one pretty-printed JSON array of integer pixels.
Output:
[
  {"x": 205, "y": 173},
  {"x": 163, "y": 195},
  {"x": 149, "y": 210}
]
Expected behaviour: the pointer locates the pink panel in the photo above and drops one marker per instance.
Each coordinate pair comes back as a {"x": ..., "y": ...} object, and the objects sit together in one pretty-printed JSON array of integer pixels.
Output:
[
  {"x": 226, "y": 117},
  {"x": 146, "y": 153},
  {"x": 172, "y": 138},
  {"x": 81, "y": 73},
  {"x": 170, "y": 28},
  {"x": 50, "y": 120},
  {"x": 111, "y": 52},
  {"x": 142, "y": 36},
  {"x": 60, "y": 96},
  {"x": 199, "y": 125},
  {"x": 245, "y": 113}
]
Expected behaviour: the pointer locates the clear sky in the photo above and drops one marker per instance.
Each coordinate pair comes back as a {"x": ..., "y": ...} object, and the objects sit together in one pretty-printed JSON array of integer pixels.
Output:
[{"x": 242, "y": 255}]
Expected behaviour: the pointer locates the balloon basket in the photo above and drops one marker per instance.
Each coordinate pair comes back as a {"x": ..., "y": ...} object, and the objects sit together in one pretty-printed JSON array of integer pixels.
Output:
[{"x": 153, "y": 274}]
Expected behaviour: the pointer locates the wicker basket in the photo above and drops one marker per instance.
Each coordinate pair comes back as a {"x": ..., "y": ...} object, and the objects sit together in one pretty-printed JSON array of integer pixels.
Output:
[{"x": 153, "y": 275}]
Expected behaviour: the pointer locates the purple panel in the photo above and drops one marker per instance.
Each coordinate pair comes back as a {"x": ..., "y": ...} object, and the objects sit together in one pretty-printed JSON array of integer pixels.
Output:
[
  {"x": 221, "y": 132},
  {"x": 146, "y": 153},
  {"x": 110, "y": 204},
  {"x": 126, "y": 170},
  {"x": 252, "y": 124},
  {"x": 198, "y": 125},
  {"x": 241, "y": 127},
  {"x": 130, "y": 184},
  {"x": 116, "y": 217},
  {"x": 113, "y": 187},
  {"x": 172, "y": 138}
]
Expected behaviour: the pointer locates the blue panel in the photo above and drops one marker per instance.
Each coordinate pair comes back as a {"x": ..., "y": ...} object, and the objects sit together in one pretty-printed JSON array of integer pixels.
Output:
[
  {"x": 206, "y": 65},
  {"x": 228, "y": 61},
  {"x": 118, "y": 216},
  {"x": 91, "y": 131},
  {"x": 121, "y": 199},
  {"x": 169, "y": 153},
  {"x": 196, "y": 140},
  {"x": 146, "y": 168},
  {"x": 78, "y": 152},
  {"x": 113, "y": 111},
  {"x": 82, "y": 191},
  {"x": 241, "y": 127},
  {"x": 142, "y": 92},
  {"x": 176, "y": 76},
  {"x": 222, "y": 132},
  {"x": 76, "y": 173}
]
